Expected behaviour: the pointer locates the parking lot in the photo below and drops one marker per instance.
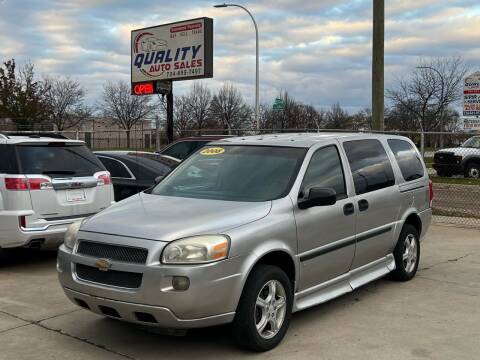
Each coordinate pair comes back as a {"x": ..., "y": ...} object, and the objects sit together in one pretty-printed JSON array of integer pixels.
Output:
[{"x": 435, "y": 316}]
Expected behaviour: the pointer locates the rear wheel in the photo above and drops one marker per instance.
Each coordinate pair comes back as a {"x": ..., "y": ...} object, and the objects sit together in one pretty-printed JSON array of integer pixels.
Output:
[
  {"x": 407, "y": 254},
  {"x": 264, "y": 310},
  {"x": 473, "y": 170}
]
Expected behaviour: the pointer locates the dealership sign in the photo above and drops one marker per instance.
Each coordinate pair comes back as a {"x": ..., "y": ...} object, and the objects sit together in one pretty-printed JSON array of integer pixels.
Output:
[
  {"x": 471, "y": 95},
  {"x": 171, "y": 52},
  {"x": 471, "y": 124}
]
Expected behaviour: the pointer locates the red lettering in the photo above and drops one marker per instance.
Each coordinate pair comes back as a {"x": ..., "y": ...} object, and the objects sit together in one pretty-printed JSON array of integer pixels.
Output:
[{"x": 143, "y": 89}]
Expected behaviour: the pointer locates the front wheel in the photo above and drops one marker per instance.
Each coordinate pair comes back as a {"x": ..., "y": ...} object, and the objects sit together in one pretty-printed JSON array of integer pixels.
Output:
[
  {"x": 407, "y": 254},
  {"x": 473, "y": 170},
  {"x": 264, "y": 310}
]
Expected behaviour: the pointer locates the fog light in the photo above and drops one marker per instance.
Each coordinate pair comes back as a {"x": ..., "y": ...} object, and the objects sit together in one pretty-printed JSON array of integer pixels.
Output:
[{"x": 181, "y": 283}]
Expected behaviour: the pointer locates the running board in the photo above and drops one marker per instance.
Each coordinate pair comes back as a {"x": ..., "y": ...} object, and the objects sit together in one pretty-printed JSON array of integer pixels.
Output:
[{"x": 344, "y": 283}]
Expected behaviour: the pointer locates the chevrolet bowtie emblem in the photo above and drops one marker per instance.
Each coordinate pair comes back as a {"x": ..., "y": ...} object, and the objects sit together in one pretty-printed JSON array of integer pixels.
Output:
[{"x": 103, "y": 264}]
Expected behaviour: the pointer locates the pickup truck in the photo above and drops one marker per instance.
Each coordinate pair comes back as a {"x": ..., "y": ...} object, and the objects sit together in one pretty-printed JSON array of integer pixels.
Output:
[{"x": 461, "y": 160}]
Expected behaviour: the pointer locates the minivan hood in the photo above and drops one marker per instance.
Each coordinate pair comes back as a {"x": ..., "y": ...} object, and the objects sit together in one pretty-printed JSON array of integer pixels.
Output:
[{"x": 168, "y": 218}]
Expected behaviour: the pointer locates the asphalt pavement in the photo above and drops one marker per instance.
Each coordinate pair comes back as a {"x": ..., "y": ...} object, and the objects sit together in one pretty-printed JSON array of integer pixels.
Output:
[{"x": 434, "y": 316}]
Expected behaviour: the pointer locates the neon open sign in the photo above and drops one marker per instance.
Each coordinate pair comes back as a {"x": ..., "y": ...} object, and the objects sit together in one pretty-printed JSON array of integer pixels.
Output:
[{"x": 146, "y": 88}]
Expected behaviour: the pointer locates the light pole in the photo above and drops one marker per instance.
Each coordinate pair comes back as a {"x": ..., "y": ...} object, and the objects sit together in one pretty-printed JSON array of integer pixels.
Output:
[
  {"x": 257, "y": 81},
  {"x": 378, "y": 93},
  {"x": 441, "y": 99}
]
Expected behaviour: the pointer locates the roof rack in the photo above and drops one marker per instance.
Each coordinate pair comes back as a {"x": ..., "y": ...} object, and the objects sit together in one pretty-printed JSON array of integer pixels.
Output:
[{"x": 36, "y": 135}]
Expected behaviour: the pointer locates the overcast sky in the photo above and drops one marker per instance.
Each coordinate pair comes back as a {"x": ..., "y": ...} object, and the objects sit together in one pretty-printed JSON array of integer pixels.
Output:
[{"x": 318, "y": 50}]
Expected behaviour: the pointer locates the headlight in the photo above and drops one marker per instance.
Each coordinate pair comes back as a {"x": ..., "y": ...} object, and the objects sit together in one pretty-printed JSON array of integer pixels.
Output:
[
  {"x": 71, "y": 235},
  {"x": 196, "y": 250}
]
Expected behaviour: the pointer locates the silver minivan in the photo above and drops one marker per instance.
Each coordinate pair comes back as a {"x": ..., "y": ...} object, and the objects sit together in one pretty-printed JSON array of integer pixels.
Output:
[{"x": 249, "y": 230}]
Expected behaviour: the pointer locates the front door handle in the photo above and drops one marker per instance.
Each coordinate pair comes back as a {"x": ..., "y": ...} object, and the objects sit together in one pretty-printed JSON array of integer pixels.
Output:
[
  {"x": 363, "y": 205},
  {"x": 348, "y": 209}
]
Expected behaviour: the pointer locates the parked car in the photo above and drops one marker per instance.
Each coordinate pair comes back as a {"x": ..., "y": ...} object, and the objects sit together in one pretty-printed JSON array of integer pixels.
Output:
[
  {"x": 249, "y": 230},
  {"x": 461, "y": 160},
  {"x": 183, "y": 148},
  {"x": 135, "y": 171},
  {"x": 47, "y": 182}
]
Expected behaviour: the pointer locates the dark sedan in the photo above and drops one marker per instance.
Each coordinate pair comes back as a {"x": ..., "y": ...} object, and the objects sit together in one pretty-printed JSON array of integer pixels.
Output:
[{"x": 135, "y": 171}]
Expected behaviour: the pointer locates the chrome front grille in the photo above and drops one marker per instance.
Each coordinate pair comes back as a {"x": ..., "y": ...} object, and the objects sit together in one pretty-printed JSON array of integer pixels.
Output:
[{"x": 112, "y": 252}]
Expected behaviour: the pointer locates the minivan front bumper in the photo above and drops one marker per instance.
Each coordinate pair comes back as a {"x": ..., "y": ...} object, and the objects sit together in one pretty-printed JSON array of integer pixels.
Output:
[
  {"x": 211, "y": 298},
  {"x": 143, "y": 314}
]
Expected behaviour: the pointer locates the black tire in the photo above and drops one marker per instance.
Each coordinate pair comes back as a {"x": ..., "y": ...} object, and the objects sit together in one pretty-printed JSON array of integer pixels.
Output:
[
  {"x": 244, "y": 325},
  {"x": 404, "y": 272},
  {"x": 473, "y": 170}
]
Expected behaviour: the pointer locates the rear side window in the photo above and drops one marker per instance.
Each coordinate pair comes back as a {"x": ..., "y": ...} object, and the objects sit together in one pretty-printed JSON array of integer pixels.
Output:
[
  {"x": 115, "y": 167},
  {"x": 325, "y": 171},
  {"x": 153, "y": 163},
  {"x": 407, "y": 159},
  {"x": 183, "y": 149},
  {"x": 8, "y": 160},
  {"x": 58, "y": 160},
  {"x": 370, "y": 165}
]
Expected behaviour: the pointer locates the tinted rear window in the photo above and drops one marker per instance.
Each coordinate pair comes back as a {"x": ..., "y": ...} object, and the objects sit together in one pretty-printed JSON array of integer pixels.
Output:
[
  {"x": 58, "y": 160},
  {"x": 8, "y": 160},
  {"x": 370, "y": 165},
  {"x": 407, "y": 159}
]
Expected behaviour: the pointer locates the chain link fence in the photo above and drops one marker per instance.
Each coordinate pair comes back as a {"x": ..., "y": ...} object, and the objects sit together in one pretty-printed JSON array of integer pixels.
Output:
[{"x": 452, "y": 159}]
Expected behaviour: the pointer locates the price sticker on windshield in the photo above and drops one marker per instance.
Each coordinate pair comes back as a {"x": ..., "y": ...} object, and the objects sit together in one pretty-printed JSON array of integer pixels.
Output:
[{"x": 212, "y": 151}]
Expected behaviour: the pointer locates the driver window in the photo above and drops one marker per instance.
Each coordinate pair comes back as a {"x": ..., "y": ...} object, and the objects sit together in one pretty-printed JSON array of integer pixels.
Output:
[{"x": 325, "y": 170}]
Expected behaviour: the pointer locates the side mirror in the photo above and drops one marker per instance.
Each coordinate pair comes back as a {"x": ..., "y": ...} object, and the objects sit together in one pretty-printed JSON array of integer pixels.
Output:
[
  {"x": 158, "y": 179},
  {"x": 318, "y": 197}
]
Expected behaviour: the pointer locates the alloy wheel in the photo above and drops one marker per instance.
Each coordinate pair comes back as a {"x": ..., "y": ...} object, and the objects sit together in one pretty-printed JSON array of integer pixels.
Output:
[
  {"x": 410, "y": 253},
  {"x": 270, "y": 309}
]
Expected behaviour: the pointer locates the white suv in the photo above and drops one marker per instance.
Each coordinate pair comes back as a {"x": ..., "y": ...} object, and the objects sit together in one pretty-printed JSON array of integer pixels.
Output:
[{"x": 46, "y": 183}]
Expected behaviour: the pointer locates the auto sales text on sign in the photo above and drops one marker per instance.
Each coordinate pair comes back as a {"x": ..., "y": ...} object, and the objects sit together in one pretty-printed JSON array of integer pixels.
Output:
[{"x": 178, "y": 51}]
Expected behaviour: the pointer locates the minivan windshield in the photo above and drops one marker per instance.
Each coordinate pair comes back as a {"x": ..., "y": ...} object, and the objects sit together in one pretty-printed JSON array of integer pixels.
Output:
[
  {"x": 235, "y": 173},
  {"x": 58, "y": 160}
]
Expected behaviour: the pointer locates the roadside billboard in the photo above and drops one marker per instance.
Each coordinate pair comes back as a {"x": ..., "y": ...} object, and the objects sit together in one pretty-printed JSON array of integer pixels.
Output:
[
  {"x": 176, "y": 51},
  {"x": 471, "y": 95}
]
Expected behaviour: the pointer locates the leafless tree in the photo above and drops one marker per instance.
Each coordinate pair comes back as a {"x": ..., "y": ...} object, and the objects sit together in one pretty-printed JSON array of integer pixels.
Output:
[
  {"x": 361, "y": 120},
  {"x": 229, "y": 108},
  {"x": 337, "y": 118},
  {"x": 429, "y": 91},
  {"x": 65, "y": 98},
  {"x": 122, "y": 108},
  {"x": 198, "y": 100}
]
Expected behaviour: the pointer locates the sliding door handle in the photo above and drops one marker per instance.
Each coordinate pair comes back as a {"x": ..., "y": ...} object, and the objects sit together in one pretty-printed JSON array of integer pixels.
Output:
[{"x": 363, "y": 205}]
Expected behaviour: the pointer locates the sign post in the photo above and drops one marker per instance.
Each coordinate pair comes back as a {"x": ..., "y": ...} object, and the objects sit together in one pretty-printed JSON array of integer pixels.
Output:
[{"x": 171, "y": 52}]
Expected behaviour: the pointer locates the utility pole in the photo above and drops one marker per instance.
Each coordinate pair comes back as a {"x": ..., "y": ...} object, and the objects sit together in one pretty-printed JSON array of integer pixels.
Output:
[
  {"x": 378, "y": 65},
  {"x": 170, "y": 116},
  {"x": 157, "y": 133}
]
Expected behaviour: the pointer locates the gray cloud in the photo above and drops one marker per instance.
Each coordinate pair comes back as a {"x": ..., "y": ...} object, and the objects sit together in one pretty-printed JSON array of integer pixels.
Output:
[{"x": 317, "y": 50}]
